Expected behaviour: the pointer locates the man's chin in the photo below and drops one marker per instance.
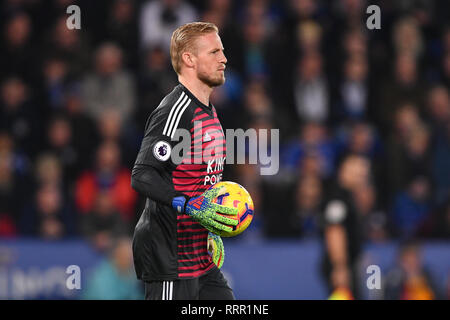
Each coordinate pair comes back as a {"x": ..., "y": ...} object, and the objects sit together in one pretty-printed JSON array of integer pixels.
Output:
[
  {"x": 212, "y": 83},
  {"x": 219, "y": 82}
]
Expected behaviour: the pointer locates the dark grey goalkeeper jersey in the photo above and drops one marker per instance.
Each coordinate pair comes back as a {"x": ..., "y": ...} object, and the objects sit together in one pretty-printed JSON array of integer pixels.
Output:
[{"x": 168, "y": 245}]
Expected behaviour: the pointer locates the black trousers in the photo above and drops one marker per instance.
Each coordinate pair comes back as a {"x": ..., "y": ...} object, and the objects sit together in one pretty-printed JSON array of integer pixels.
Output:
[{"x": 210, "y": 286}]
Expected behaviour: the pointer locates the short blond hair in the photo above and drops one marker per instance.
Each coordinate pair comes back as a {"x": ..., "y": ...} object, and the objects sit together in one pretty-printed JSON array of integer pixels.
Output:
[{"x": 183, "y": 40}]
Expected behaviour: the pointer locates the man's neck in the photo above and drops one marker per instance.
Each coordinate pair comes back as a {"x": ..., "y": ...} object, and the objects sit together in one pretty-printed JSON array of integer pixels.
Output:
[{"x": 200, "y": 90}]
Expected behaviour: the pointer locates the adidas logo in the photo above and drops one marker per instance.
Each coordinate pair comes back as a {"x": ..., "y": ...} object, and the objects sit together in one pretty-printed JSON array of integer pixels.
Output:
[{"x": 206, "y": 137}]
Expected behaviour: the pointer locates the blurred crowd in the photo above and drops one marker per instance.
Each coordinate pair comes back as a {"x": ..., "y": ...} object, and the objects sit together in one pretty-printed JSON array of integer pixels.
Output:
[{"x": 73, "y": 105}]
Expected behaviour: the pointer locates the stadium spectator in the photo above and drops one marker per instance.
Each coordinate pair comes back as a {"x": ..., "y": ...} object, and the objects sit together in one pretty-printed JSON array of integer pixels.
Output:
[
  {"x": 342, "y": 45},
  {"x": 311, "y": 89},
  {"x": 159, "y": 18},
  {"x": 220, "y": 12},
  {"x": 298, "y": 11},
  {"x": 114, "y": 278},
  {"x": 155, "y": 80},
  {"x": 309, "y": 37},
  {"x": 355, "y": 43},
  {"x": 55, "y": 79},
  {"x": 69, "y": 45},
  {"x": 109, "y": 86},
  {"x": 405, "y": 85},
  {"x": 411, "y": 207},
  {"x": 220, "y": 7},
  {"x": 313, "y": 142},
  {"x": 49, "y": 216},
  {"x": 362, "y": 138},
  {"x": 374, "y": 222},
  {"x": 304, "y": 9},
  {"x": 312, "y": 164},
  {"x": 17, "y": 53},
  {"x": 86, "y": 136},
  {"x": 227, "y": 100},
  {"x": 438, "y": 106},
  {"x": 255, "y": 35},
  {"x": 407, "y": 148},
  {"x": 308, "y": 200},
  {"x": 351, "y": 11},
  {"x": 122, "y": 28},
  {"x": 111, "y": 128},
  {"x": 103, "y": 223},
  {"x": 108, "y": 175},
  {"x": 353, "y": 91},
  {"x": 18, "y": 116},
  {"x": 60, "y": 143},
  {"x": 407, "y": 37},
  {"x": 49, "y": 171},
  {"x": 257, "y": 104},
  {"x": 409, "y": 279}
]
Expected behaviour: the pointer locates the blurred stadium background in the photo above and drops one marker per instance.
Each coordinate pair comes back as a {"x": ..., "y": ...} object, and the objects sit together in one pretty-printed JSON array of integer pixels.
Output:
[{"x": 73, "y": 104}]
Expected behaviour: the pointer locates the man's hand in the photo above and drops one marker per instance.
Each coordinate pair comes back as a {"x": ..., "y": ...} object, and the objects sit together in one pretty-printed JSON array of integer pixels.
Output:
[
  {"x": 209, "y": 214},
  {"x": 216, "y": 249}
]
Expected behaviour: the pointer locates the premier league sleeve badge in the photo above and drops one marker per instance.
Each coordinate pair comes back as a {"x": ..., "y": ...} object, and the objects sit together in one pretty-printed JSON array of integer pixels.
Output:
[{"x": 162, "y": 150}]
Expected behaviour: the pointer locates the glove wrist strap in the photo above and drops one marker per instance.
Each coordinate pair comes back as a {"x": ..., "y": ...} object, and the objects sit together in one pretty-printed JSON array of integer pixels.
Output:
[{"x": 179, "y": 203}]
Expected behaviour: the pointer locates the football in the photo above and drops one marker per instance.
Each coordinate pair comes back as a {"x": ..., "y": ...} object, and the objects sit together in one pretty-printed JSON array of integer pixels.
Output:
[{"x": 236, "y": 196}]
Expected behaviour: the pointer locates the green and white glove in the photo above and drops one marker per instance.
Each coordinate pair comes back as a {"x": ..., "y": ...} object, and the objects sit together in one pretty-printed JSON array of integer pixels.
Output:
[
  {"x": 216, "y": 249},
  {"x": 209, "y": 214}
]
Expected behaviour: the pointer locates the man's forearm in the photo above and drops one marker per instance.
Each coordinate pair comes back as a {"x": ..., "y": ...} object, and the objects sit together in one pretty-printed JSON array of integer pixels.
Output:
[
  {"x": 336, "y": 244},
  {"x": 148, "y": 181}
]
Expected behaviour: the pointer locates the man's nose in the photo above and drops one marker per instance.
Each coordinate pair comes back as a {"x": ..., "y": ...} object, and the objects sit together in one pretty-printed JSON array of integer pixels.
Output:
[{"x": 223, "y": 59}]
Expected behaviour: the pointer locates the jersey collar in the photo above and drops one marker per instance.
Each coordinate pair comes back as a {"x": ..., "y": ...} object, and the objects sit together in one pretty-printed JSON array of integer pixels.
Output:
[{"x": 198, "y": 102}]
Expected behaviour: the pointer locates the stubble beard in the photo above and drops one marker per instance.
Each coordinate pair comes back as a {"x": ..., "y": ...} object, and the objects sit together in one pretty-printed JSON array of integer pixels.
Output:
[{"x": 210, "y": 81}]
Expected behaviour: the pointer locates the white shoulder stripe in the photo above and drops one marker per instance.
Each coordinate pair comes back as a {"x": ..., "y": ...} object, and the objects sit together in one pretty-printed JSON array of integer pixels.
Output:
[
  {"x": 171, "y": 133},
  {"x": 175, "y": 115},
  {"x": 171, "y": 112}
]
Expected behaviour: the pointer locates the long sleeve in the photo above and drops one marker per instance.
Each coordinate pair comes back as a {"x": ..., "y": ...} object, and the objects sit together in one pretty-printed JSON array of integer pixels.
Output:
[
  {"x": 149, "y": 182},
  {"x": 152, "y": 171}
]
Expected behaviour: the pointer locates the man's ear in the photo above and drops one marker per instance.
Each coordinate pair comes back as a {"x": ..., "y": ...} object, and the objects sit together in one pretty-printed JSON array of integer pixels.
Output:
[{"x": 188, "y": 58}]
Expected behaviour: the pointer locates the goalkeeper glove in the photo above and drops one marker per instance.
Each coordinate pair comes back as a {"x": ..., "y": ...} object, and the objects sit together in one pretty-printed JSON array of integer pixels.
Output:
[
  {"x": 216, "y": 249},
  {"x": 206, "y": 212}
]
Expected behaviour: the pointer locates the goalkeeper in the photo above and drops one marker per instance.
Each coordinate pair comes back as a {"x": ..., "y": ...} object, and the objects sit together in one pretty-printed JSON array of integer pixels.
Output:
[{"x": 180, "y": 219}]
